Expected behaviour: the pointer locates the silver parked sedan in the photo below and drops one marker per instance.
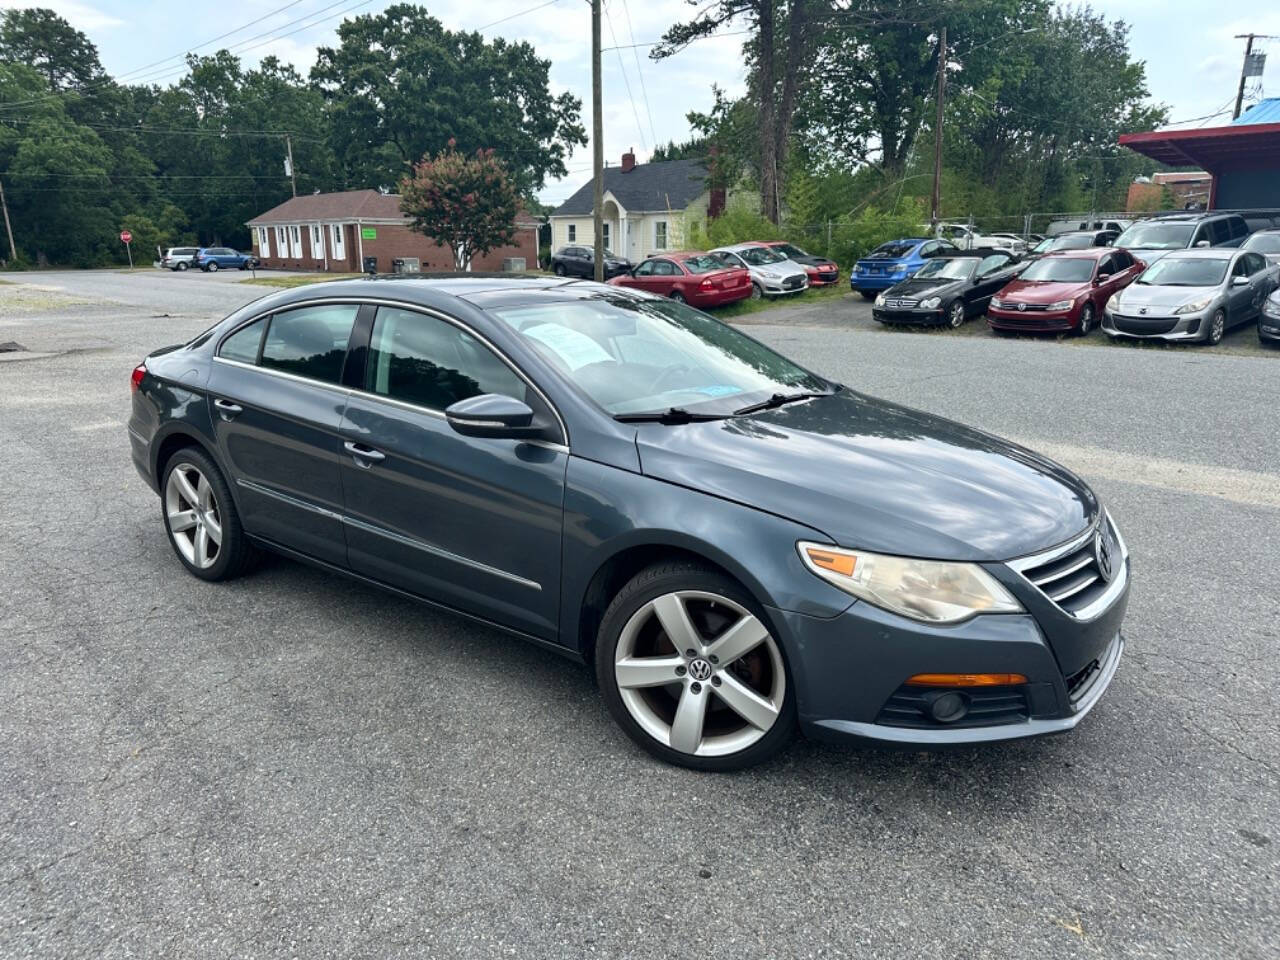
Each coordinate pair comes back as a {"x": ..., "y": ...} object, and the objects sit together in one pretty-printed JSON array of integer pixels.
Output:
[{"x": 1193, "y": 295}]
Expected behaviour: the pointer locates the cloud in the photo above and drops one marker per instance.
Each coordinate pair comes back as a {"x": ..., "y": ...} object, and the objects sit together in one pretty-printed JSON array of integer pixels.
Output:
[{"x": 79, "y": 15}]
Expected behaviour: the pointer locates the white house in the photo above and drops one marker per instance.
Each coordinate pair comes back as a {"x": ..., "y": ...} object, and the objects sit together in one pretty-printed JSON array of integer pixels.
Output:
[{"x": 647, "y": 207}]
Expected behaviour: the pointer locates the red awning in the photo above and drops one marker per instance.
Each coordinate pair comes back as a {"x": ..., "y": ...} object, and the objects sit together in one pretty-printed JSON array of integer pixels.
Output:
[{"x": 1213, "y": 148}]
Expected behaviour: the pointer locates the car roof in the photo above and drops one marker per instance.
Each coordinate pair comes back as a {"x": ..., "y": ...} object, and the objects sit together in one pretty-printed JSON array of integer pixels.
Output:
[
  {"x": 976, "y": 253},
  {"x": 1090, "y": 253},
  {"x": 734, "y": 247},
  {"x": 1203, "y": 253}
]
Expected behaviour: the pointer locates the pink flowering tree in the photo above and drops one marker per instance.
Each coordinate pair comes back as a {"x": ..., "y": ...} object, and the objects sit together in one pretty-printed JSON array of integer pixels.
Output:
[{"x": 467, "y": 204}]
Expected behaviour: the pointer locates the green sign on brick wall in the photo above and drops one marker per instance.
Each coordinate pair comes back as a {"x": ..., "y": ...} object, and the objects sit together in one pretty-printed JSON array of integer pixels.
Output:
[{"x": 368, "y": 233}]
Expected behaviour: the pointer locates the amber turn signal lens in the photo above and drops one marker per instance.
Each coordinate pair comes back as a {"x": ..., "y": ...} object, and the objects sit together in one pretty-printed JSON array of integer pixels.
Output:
[
  {"x": 841, "y": 563},
  {"x": 966, "y": 680}
]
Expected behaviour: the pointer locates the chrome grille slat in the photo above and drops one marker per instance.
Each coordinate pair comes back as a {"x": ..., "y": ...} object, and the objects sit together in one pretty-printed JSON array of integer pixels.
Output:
[
  {"x": 1075, "y": 587},
  {"x": 1075, "y": 564},
  {"x": 1068, "y": 574}
]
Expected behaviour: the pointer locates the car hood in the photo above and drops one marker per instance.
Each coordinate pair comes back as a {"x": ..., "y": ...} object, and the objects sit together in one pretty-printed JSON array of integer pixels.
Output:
[
  {"x": 922, "y": 289},
  {"x": 1150, "y": 295},
  {"x": 1032, "y": 291},
  {"x": 1147, "y": 255},
  {"x": 878, "y": 476},
  {"x": 784, "y": 268},
  {"x": 812, "y": 261}
]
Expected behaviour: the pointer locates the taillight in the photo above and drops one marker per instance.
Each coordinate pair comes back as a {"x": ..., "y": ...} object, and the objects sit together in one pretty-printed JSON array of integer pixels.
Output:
[{"x": 135, "y": 380}]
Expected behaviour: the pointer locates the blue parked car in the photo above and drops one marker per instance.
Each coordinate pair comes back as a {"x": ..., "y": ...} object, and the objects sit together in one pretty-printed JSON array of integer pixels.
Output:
[
  {"x": 210, "y": 259},
  {"x": 894, "y": 262}
]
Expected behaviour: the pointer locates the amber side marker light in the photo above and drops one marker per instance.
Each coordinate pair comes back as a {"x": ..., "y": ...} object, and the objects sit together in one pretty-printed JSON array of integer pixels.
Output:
[
  {"x": 966, "y": 680},
  {"x": 841, "y": 563}
]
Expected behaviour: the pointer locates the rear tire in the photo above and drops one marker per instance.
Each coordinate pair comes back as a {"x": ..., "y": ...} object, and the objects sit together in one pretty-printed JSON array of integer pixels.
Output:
[
  {"x": 200, "y": 518},
  {"x": 213, "y": 267},
  {"x": 710, "y": 715},
  {"x": 678, "y": 297},
  {"x": 181, "y": 267}
]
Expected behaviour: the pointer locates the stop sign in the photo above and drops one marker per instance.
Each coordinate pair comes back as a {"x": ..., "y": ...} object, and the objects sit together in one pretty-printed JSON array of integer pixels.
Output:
[{"x": 126, "y": 236}]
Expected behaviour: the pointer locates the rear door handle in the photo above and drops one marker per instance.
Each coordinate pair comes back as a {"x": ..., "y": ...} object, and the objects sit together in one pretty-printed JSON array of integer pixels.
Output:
[
  {"x": 363, "y": 456},
  {"x": 228, "y": 410}
]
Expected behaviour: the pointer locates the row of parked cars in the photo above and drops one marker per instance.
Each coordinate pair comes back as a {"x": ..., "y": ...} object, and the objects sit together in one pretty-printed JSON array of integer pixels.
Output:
[
  {"x": 708, "y": 278},
  {"x": 1182, "y": 277},
  {"x": 208, "y": 259}
]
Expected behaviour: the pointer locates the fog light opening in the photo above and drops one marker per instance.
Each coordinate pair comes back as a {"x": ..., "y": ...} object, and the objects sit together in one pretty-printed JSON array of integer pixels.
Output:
[{"x": 949, "y": 707}]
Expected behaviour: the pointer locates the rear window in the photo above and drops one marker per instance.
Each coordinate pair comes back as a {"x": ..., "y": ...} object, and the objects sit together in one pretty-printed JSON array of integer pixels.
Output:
[
  {"x": 703, "y": 264},
  {"x": 894, "y": 250},
  {"x": 244, "y": 343}
]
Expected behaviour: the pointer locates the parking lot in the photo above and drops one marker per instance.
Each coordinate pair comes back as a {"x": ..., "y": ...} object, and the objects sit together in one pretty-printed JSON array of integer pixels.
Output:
[{"x": 297, "y": 765}]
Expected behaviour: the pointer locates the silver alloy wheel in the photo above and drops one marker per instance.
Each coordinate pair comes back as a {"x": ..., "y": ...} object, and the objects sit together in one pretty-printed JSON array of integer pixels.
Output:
[
  {"x": 1217, "y": 327},
  {"x": 956, "y": 319},
  {"x": 708, "y": 696},
  {"x": 1086, "y": 319},
  {"x": 756, "y": 292},
  {"x": 192, "y": 513}
]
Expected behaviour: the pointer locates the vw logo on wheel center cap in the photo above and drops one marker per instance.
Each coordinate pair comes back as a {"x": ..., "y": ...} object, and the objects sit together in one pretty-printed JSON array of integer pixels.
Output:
[{"x": 699, "y": 669}]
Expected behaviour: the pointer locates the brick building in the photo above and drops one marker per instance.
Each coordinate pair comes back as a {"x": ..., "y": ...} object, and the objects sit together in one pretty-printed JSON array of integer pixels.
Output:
[
  {"x": 336, "y": 231},
  {"x": 1190, "y": 191}
]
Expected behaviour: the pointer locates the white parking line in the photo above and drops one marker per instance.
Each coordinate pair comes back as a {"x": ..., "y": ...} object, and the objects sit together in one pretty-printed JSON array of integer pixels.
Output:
[{"x": 1228, "y": 483}]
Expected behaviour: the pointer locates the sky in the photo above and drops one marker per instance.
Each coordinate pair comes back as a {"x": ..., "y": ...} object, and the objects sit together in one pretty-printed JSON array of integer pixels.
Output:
[{"x": 1193, "y": 61}]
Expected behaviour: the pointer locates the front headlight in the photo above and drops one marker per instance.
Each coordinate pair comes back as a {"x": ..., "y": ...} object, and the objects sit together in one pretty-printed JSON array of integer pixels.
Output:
[
  {"x": 1195, "y": 306},
  {"x": 1271, "y": 307},
  {"x": 880, "y": 300},
  {"x": 769, "y": 273},
  {"x": 932, "y": 303},
  {"x": 932, "y": 591},
  {"x": 1060, "y": 305},
  {"x": 997, "y": 302}
]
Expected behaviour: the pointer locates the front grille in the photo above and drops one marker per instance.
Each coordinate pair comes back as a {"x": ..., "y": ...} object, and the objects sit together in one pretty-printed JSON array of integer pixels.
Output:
[
  {"x": 1142, "y": 324},
  {"x": 988, "y": 707},
  {"x": 1024, "y": 307},
  {"x": 901, "y": 304},
  {"x": 792, "y": 283},
  {"x": 1073, "y": 579}
]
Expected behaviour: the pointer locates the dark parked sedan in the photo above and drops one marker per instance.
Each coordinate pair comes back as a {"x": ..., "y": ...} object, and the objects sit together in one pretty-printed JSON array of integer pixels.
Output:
[
  {"x": 579, "y": 261},
  {"x": 950, "y": 288},
  {"x": 740, "y": 547}
]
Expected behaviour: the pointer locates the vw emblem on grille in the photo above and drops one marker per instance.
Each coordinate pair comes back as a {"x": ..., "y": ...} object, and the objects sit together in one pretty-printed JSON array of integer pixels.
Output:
[
  {"x": 699, "y": 669},
  {"x": 1022, "y": 306},
  {"x": 1102, "y": 554}
]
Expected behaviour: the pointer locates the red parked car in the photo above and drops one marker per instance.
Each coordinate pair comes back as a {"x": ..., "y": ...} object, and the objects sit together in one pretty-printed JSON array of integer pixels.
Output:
[
  {"x": 1063, "y": 291},
  {"x": 699, "y": 279},
  {"x": 822, "y": 271}
]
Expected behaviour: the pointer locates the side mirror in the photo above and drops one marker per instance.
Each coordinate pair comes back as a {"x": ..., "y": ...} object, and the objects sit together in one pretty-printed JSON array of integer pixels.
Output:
[
  {"x": 1239, "y": 281},
  {"x": 1202, "y": 243},
  {"x": 493, "y": 415},
  {"x": 1101, "y": 278}
]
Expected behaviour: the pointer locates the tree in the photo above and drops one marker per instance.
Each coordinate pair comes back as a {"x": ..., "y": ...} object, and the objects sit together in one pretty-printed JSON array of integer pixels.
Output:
[
  {"x": 40, "y": 38},
  {"x": 400, "y": 86},
  {"x": 468, "y": 204}
]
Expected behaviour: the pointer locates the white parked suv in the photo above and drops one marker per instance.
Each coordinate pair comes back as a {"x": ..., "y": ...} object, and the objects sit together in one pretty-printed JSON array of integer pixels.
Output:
[{"x": 772, "y": 274}]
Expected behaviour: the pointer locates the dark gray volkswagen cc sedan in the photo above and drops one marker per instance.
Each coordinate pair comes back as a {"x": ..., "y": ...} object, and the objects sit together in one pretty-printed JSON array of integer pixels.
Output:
[{"x": 739, "y": 546}]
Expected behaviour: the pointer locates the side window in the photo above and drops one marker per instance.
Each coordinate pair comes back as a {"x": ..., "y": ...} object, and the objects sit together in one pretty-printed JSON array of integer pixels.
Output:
[
  {"x": 1241, "y": 268},
  {"x": 425, "y": 361},
  {"x": 660, "y": 235},
  {"x": 310, "y": 341},
  {"x": 1219, "y": 232},
  {"x": 665, "y": 268},
  {"x": 1259, "y": 262},
  {"x": 244, "y": 343},
  {"x": 1123, "y": 260},
  {"x": 1238, "y": 227},
  {"x": 573, "y": 233},
  {"x": 645, "y": 269},
  {"x": 1108, "y": 266},
  {"x": 991, "y": 264},
  {"x": 929, "y": 249}
]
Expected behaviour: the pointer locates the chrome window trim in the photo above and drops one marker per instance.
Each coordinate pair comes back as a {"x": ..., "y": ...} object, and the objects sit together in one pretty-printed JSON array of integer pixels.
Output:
[
  {"x": 284, "y": 374},
  {"x": 382, "y": 532},
  {"x": 400, "y": 305}
]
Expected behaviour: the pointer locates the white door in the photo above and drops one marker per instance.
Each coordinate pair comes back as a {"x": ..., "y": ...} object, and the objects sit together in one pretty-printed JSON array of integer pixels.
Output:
[
  {"x": 339, "y": 243},
  {"x": 264, "y": 242},
  {"x": 317, "y": 241},
  {"x": 282, "y": 242},
  {"x": 295, "y": 242}
]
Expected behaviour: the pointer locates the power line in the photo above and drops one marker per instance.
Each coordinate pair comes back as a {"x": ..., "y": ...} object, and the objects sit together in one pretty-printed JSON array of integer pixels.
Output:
[
  {"x": 515, "y": 16},
  {"x": 709, "y": 36},
  {"x": 627, "y": 83},
  {"x": 639, "y": 72}
]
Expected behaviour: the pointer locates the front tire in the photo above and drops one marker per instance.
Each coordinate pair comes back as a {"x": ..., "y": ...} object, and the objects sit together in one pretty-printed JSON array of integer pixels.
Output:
[
  {"x": 1217, "y": 327},
  {"x": 201, "y": 519},
  {"x": 757, "y": 292},
  {"x": 689, "y": 669},
  {"x": 1087, "y": 319},
  {"x": 956, "y": 315},
  {"x": 558, "y": 269}
]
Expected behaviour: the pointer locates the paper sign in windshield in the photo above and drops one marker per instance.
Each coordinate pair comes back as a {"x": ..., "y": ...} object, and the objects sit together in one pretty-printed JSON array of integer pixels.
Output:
[{"x": 576, "y": 349}]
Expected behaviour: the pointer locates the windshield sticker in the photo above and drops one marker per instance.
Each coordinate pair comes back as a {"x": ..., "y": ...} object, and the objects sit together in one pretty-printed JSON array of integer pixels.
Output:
[
  {"x": 719, "y": 390},
  {"x": 576, "y": 349}
]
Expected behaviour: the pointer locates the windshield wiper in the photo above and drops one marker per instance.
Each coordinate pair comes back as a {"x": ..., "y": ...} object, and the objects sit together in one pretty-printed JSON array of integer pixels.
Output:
[
  {"x": 777, "y": 400},
  {"x": 670, "y": 415}
]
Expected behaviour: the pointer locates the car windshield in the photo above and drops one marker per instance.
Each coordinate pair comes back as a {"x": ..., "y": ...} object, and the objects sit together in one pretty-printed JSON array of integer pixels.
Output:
[
  {"x": 636, "y": 356},
  {"x": 1185, "y": 272},
  {"x": 1069, "y": 241},
  {"x": 893, "y": 250},
  {"x": 1263, "y": 243},
  {"x": 1044, "y": 246},
  {"x": 759, "y": 256},
  {"x": 1060, "y": 270},
  {"x": 1156, "y": 236},
  {"x": 703, "y": 263},
  {"x": 959, "y": 268},
  {"x": 790, "y": 250}
]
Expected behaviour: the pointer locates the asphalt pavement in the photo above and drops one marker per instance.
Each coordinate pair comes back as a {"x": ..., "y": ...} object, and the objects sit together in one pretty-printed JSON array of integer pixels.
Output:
[{"x": 295, "y": 765}]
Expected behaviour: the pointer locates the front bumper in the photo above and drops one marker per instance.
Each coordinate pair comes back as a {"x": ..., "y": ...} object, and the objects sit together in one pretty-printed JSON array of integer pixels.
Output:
[
  {"x": 850, "y": 671},
  {"x": 783, "y": 286},
  {"x": 1269, "y": 328},
  {"x": 1183, "y": 326},
  {"x": 923, "y": 317},
  {"x": 1041, "y": 321}
]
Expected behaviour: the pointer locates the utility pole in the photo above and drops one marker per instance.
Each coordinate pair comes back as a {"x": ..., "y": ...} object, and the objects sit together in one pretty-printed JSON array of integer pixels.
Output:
[
  {"x": 597, "y": 143},
  {"x": 1244, "y": 69},
  {"x": 13, "y": 251},
  {"x": 937, "y": 131},
  {"x": 293, "y": 179}
]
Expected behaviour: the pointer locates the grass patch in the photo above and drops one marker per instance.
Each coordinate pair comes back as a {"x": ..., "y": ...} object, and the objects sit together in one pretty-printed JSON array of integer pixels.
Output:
[
  {"x": 813, "y": 296},
  {"x": 289, "y": 282}
]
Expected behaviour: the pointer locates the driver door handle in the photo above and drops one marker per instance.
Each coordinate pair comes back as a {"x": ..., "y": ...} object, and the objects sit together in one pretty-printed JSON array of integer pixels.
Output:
[{"x": 363, "y": 456}]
